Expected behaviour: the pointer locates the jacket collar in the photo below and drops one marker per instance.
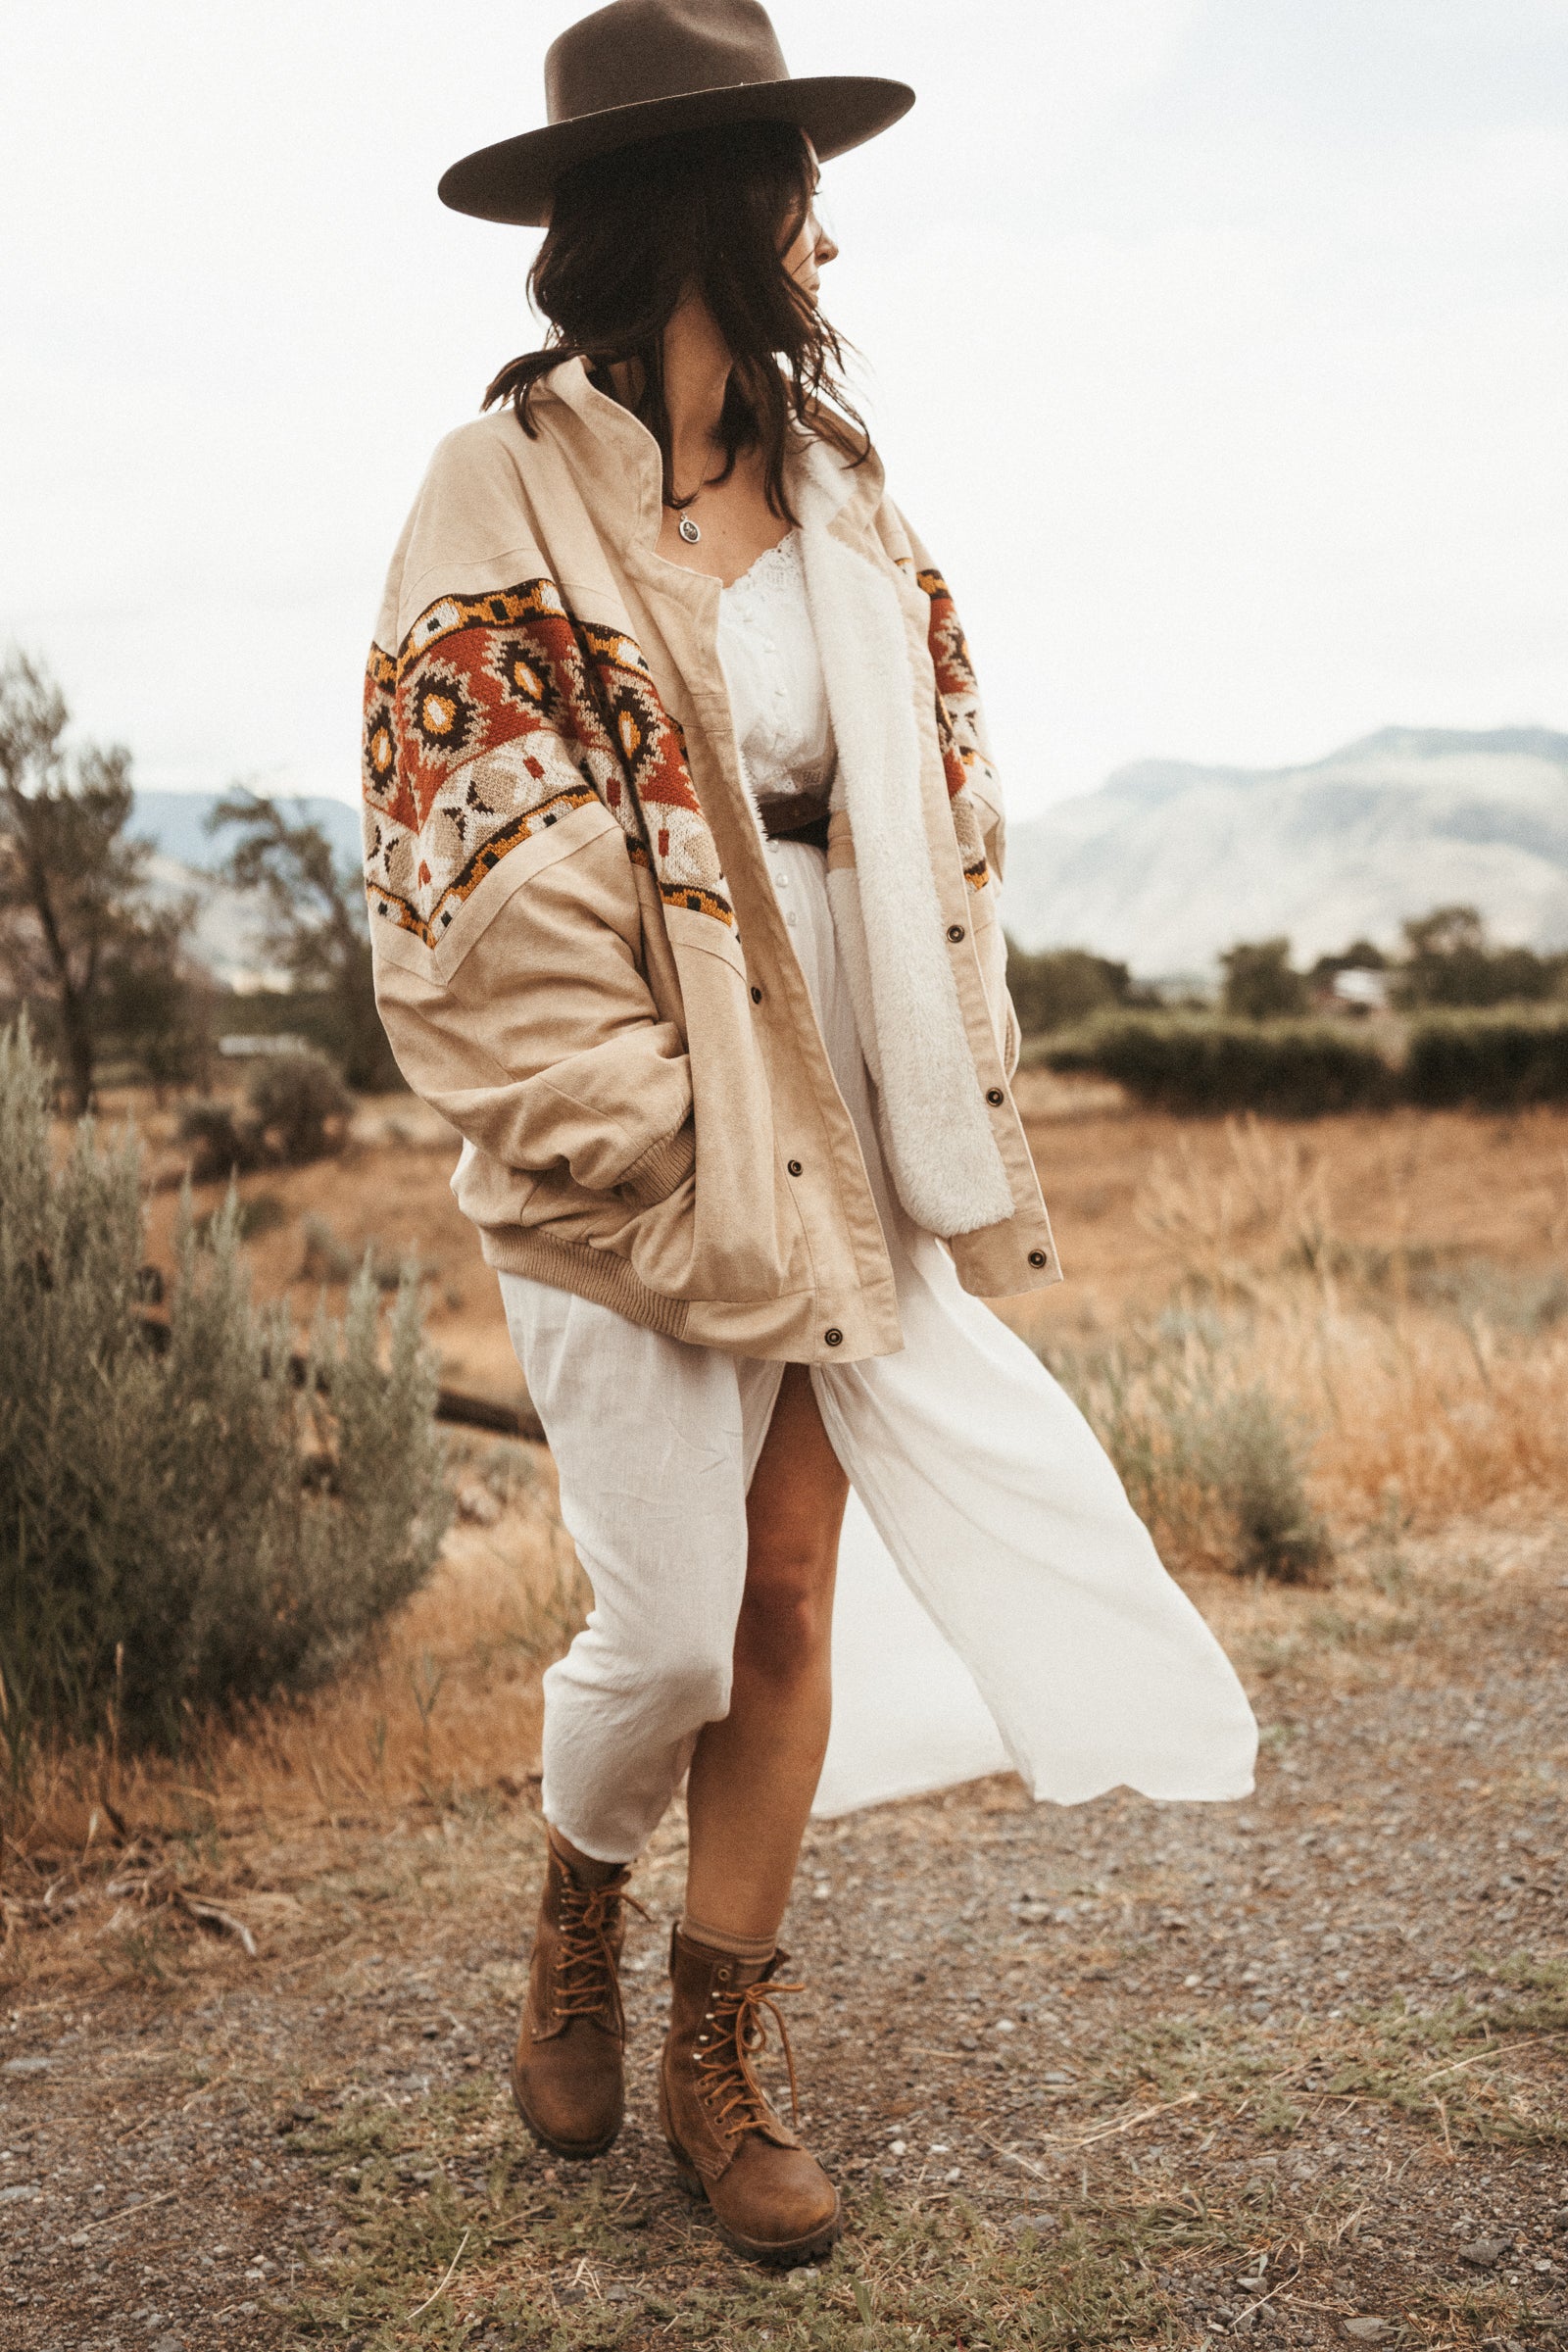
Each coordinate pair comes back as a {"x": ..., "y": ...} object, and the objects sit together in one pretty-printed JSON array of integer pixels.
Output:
[{"x": 839, "y": 491}]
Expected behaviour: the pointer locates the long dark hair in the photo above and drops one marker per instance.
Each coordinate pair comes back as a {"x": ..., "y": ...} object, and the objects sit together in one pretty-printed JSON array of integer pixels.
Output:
[{"x": 713, "y": 211}]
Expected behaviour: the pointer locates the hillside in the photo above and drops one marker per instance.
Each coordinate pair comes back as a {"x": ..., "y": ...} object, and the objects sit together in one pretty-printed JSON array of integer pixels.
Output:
[
  {"x": 1168, "y": 863},
  {"x": 175, "y": 822}
]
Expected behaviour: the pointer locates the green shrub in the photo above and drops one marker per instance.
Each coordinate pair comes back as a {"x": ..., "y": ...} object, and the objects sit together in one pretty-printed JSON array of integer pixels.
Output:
[
  {"x": 326, "y": 1258},
  {"x": 226, "y": 1145},
  {"x": 297, "y": 1109},
  {"x": 1488, "y": 1060},
  {"x": 1207, "y": 1064},
  {"x": 301, "y": 1105},
  {"x": 182, "y": 1525},
  {"x": 1216, "y": 1472}
]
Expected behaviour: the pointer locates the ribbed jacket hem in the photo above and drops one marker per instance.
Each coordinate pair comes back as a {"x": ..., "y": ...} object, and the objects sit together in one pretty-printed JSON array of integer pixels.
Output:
[
  {"x": 590, "y": 1273},
  {"x": 661, "y": 1167}
]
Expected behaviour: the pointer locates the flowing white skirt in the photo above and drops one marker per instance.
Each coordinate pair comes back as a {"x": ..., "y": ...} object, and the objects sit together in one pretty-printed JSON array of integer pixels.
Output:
[{"x": 999, "y": 1602}]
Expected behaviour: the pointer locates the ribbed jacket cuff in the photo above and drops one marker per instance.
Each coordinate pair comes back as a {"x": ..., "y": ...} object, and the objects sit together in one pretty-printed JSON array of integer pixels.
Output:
[{"x": 661, "y": 1167}]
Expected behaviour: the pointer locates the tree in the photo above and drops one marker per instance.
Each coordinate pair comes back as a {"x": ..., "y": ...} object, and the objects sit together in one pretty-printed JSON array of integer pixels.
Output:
[
  {"x": 159, "y": 1004},
  {"x": 74, "y": 910},
  {"x": 323, "y": 930},
  {"x": 1361, "y": 955},
  {"x": 1063, "y": 986},
  {"x": 1451, "y": 961},
  {"x": 1260, "y": 984}
]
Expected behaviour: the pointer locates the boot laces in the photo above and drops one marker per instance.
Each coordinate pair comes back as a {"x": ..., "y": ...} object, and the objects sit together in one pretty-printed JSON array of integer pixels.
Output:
[
  {"x": 587, "y": 1978},
  {"x": 738, "y": 2030}
]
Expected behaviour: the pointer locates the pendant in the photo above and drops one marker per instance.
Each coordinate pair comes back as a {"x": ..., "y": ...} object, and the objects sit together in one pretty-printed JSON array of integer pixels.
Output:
[{"x": 688, "y": 530}]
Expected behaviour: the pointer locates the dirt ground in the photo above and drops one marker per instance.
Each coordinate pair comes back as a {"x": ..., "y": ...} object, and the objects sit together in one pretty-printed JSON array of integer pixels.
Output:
[{"x": 1127, "y": 2075}]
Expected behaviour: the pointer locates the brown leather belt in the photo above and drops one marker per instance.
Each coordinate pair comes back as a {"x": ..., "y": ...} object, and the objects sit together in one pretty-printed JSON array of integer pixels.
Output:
[{"x": 794, "y": 817}]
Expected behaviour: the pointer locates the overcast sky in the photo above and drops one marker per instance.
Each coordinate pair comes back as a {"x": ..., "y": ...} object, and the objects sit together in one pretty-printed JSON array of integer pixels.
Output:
[{"x": 1218, "y": 349}]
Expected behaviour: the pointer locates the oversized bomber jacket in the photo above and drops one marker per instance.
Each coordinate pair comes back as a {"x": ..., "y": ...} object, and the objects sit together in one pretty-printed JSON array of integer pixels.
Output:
[{"x": 580, "y": 959}]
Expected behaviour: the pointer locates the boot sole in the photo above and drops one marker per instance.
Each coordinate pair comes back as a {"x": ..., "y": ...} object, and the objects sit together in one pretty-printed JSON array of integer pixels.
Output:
[
  {"x": 573, "y": 2151},
  {"x": 770, "y": 2253}
]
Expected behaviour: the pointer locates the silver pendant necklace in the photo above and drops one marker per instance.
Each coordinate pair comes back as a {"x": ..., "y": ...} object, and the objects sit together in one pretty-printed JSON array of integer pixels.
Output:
[{"x": 687, "y": 529}]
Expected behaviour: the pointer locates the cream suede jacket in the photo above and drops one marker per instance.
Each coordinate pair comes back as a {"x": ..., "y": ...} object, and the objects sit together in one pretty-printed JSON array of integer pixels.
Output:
[{"x": 578, "y": 956}]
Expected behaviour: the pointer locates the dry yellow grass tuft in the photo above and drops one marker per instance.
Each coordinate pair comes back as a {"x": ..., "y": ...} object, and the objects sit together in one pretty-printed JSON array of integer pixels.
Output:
[{"x": 1418, "y": 1352}]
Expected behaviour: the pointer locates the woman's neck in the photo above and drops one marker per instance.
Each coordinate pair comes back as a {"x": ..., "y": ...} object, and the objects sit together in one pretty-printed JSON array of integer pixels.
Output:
[{"x": 696, "y": 373}]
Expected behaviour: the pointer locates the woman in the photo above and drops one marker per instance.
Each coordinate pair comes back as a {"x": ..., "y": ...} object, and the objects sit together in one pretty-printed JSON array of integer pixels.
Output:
[{"x": 682, "y": 852}]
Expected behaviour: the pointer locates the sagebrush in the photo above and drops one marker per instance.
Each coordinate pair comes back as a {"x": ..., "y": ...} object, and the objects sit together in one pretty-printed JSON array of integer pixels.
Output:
[
  {"x": 1212, "y": 1462},
  {"x": 296, "y": 1109},
  {"x": 189, "y": 1515}
]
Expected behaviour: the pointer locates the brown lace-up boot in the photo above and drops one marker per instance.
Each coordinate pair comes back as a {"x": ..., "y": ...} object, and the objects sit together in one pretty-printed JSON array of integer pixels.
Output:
[
  {"x": 568, "y": 2076},
  {"x": 771, "y": 2197}
]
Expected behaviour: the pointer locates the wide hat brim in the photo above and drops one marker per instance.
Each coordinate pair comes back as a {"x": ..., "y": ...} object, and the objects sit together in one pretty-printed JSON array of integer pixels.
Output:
[{"x": 513, "y": 180}]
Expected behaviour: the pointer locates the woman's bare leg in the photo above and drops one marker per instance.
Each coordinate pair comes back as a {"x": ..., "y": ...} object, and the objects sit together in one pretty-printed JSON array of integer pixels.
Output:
[{"x": 754, "y": 1775}]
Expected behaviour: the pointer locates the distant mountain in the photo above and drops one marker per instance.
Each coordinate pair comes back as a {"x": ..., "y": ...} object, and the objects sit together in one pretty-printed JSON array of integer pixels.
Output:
[
  {"x": 230, "y": 932},
  {"x": 175, "y": 822},
  {"x": 1168, "y": 863}
]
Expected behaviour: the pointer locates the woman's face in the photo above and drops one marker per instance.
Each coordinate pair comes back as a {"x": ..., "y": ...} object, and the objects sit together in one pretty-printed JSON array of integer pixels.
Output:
[{"x": 809, "y": 253}]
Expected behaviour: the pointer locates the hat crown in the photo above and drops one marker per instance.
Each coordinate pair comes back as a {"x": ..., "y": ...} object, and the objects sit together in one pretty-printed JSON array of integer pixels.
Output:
[{"x": 637, "y": 50}]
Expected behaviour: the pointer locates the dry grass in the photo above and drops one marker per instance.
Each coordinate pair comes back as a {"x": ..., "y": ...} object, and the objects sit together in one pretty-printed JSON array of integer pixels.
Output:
[
  {"x": 1422, "y": 1357},
  {"x": 1205, "y": 1260}
]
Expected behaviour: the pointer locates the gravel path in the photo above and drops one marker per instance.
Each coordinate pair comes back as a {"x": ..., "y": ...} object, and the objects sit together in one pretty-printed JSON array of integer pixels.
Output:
[{"x": 1123, "y": 2074}]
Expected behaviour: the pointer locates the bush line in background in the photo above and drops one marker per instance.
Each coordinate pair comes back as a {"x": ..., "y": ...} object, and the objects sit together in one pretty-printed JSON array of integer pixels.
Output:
[
  {"x": 1496, "y": 1061},
  {"x": 1208, "y": 1064}
]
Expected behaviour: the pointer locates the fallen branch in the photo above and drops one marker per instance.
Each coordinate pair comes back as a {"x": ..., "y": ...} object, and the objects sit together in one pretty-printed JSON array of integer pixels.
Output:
[
  {"x": 210, "y": 1915},
  {"x": 128, "y": 2211},
  {"x": 1129, "y": 2122},
  {"x": 160, "y": 1886},
  {"x": 452, "y": 1405},
  {"x": 446, "y": 2281}
]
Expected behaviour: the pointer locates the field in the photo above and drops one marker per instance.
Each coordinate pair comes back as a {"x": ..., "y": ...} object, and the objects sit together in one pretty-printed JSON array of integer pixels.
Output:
[{"x": 1126, "y": 2074}]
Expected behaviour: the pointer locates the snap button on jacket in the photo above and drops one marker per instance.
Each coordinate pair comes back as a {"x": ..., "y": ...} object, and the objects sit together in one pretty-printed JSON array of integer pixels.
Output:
[{"x": 579, "y": 959}]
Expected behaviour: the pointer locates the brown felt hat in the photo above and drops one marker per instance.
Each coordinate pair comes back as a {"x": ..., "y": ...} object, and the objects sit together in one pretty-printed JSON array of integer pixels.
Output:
[{"x": 640, "y": 69}]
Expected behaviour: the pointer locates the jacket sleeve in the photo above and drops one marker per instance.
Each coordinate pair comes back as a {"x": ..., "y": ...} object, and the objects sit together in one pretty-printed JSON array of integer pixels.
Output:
[
  {"x": 544, "y": 1046},
  {"x": 973, "y": 783},
  {"x": 974, "y": 788},
  {"x": 505, "y": 916}
]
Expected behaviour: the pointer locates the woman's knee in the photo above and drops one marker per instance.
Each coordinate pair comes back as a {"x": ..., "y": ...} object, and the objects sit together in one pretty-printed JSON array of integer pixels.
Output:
[
  {"x": 786, "y": 1618},
  {"x": 675, "y": 1666}
]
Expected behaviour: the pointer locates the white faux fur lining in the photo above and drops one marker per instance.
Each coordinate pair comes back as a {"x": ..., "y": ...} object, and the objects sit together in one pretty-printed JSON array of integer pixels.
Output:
[{"x": 887, "y": 919}]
